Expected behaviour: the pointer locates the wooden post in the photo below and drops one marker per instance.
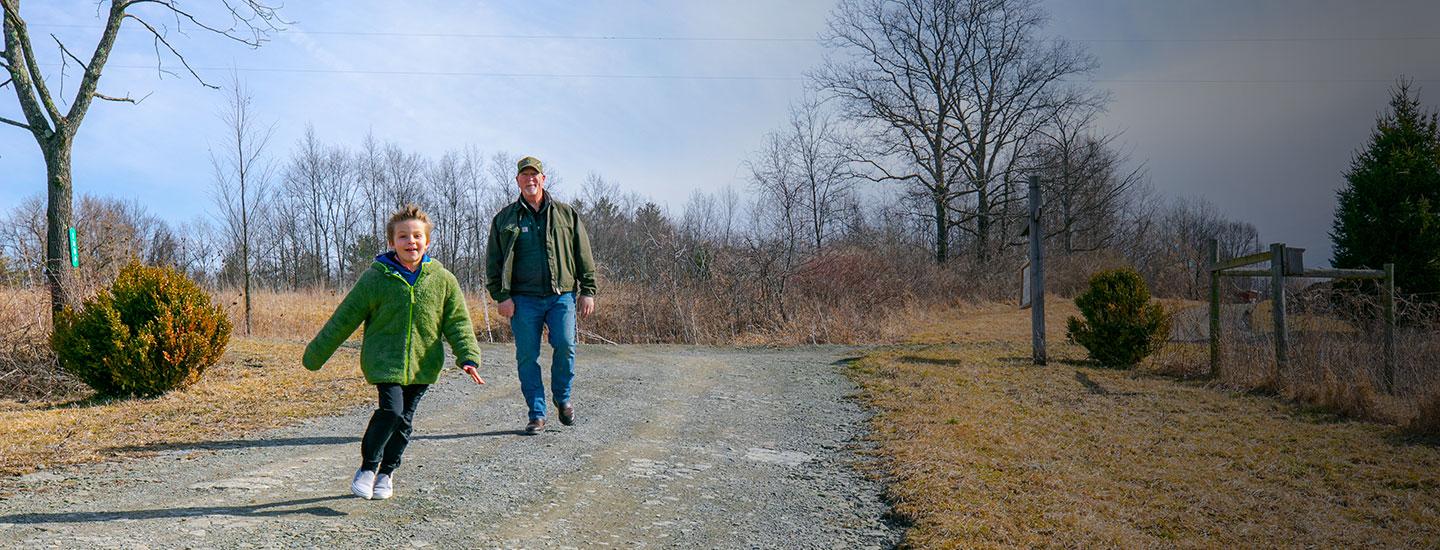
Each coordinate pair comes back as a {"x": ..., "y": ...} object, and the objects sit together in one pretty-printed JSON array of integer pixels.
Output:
[
  {"x": 1389, "y": 298},
  {"x": 1277, "y": 303},
  {"x": 1214, "y": 254},
  {"x": 1037, "y": 275}
]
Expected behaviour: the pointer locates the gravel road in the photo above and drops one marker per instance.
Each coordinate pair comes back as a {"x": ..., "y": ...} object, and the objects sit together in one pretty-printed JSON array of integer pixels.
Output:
[{"x": 675, "y": 447}]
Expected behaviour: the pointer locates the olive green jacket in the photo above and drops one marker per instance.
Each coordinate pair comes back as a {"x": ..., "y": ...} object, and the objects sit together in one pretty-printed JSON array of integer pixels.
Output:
[
  {"x": 567, "y": 246},
  {"x": 404, "y": 325}
]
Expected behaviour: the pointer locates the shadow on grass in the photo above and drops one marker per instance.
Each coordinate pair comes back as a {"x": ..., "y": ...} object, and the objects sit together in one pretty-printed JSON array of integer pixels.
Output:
[
  {"x": 1095, "y": 387},
  {"x": 268, "y": 510},
  {"x": 288, "y": 442},
  {"x": 1401, "y": 437},
  {"x": 93, "y": 400},
  {"x": 1089, "y": 384},
  {"x": 932, "y": 360}
]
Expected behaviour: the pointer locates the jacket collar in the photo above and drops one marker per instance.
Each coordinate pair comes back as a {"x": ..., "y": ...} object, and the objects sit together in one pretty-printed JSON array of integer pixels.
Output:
[
  {"x": 544, "y": 202},
  {"x": 387, "y": 260}
]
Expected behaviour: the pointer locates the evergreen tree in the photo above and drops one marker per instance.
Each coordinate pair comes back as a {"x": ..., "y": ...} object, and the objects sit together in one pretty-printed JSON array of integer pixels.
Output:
[{"x": 1389, "y": 208}]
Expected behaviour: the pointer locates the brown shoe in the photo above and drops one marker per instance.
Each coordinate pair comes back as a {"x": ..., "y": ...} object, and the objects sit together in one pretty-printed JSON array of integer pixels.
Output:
[
  {"x": 567, "y": 414},
  {"x": 535, "y": 426}
]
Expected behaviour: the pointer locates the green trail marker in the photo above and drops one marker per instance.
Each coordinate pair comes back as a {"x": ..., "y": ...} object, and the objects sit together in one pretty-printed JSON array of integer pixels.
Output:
[{"x": 74, "y": 250}]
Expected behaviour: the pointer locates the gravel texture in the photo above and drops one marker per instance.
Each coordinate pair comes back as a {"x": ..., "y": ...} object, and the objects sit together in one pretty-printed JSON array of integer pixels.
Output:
[{"x": 674, "y": 447}]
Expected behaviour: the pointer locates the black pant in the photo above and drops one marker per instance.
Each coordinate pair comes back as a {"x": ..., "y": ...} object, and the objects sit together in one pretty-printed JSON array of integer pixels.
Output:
[{"x": 389, "y": 429}]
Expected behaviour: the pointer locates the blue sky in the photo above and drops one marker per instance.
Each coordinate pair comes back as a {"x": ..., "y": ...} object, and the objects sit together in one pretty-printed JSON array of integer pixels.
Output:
[{"x": 1254, "y": 105}]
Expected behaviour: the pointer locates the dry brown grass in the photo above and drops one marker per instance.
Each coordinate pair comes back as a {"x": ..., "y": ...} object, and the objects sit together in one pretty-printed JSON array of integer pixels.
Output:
[
  {"x": 300, "y": 314},
  {"x": 258, "y": 384},
  {"x": 27, "y": 367},
  {"x": 1426, "y": 421},
  {"x": 1335, "y": 363},
  {"x": 984, "y": 450}
]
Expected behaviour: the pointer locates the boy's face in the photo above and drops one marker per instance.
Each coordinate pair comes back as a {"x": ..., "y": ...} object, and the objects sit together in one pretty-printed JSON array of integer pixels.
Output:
[{"x": 410, "y": 241}]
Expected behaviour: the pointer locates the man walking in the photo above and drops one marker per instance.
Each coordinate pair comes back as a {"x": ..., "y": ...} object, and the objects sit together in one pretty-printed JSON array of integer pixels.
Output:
[{"x": 540, "y": 272}]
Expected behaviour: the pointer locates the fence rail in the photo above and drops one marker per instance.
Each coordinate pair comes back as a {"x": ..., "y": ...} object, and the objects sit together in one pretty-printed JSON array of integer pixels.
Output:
[{"x": 1286, "y": 262}]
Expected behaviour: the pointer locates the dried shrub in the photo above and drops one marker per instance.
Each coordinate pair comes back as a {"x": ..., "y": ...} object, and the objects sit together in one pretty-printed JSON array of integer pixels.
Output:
[
  {"x": 1346, "y": 396},
  {"x": 151, "y": 331},
  {"x": 27, "y": 366},
  {"x": 1427, "y": 418}
]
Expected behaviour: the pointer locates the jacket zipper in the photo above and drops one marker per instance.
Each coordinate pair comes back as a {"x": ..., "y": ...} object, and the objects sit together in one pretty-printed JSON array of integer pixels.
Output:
[
  {"x": 409, "y": 328},
  {"x": 409, "y": 323}
]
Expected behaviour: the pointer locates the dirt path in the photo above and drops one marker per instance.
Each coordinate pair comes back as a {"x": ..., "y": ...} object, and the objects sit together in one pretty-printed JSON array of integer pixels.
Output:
[{"x": 675, "y": 447}]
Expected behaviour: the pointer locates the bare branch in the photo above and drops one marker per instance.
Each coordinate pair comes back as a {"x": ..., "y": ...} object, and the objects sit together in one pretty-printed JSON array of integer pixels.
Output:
[
  {"x": 262, "y": 17},
  {"x": 160, "y": 39},
  {"x": 67, "y": 52},
  {"x": 6, "y": 82},
  {"x": 22, "y": 39},
  {"x": 14, "y": 123},
  {"x": 126, "y": 99}
]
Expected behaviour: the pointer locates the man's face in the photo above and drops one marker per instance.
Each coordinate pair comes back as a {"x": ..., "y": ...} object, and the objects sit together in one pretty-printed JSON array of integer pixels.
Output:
[
  {"x": 410, "y": 241},
  {"x": 532, "y": 184}
]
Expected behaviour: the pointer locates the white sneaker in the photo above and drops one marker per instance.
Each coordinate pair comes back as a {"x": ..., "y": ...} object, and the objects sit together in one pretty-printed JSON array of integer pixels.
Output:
[
  {"x": 364, "y": 484},
  {"x": 384, "y": 487}
]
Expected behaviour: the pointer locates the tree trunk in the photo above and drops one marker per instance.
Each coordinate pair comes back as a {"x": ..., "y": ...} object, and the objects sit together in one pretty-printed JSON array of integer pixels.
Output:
[
  {"x": 982, "y": 224},
  {"x": 245, "y": 262},
  {"x": 58, "y": 218},
  {"x": 942, "y": 228}
]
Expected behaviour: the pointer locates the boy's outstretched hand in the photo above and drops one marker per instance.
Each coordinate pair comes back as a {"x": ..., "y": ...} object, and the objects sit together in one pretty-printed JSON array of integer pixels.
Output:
[{"x": 474, "y": 375}]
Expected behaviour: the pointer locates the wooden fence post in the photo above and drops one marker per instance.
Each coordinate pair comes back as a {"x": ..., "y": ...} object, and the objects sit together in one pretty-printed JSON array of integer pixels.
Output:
[
  {"x": 1037, "y": 275},
  {"x": 1214, "y": 254},
  {"x": 1277, "y": 304},
  {"x": 1389, "y": 298}
]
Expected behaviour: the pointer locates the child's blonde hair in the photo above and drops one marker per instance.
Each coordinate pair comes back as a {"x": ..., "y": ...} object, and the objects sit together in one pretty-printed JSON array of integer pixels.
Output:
[{"x": 411, "y": 211}]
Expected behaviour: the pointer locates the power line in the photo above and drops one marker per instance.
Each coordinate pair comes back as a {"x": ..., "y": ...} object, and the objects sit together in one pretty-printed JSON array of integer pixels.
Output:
[
  {"x": 301, "y": 70},
  {"x": 776, "y": 78},
  {"x": 1246, "y": 81},
  {"x": 785, "y": 39},
  {"x": 490, "y": 36}
]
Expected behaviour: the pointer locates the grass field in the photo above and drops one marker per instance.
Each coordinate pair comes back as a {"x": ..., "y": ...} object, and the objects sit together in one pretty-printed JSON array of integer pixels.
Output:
[{"x": 982, "y": 449}]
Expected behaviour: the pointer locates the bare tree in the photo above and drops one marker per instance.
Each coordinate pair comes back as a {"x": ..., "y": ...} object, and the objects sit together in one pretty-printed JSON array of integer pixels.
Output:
[
  {"x": 895, "y": 71},
  {"x": 698, "y": 221},
  {"x": 949, "y": 92},
  {"x": 777, "y": 214},
  {"x": 1085, "y": 180},
  {"x": 338, "y": 206},
  {"x": 404, "y": 177},
  {"x": 54, "y": 130},
  {"x": 444, "y": 180},
  {"x": 242, "y": 177},
  {"x": 304, "y": 182},
  {"x": 1014, "y": 84},
  {"x": 197, "y": 250},
  {"x": 111, "y": 232},
  {"x": 824, "y": 179},
  {"x": 370, "y": 175},
  {"x": 23, "y": 235},
  {"x": 729, "y": 200}
]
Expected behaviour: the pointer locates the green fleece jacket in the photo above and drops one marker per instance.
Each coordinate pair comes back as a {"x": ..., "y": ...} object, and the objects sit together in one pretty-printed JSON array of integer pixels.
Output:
[
  {"x": 567, "y": 247},
  {"x": 404, "y": 325}
]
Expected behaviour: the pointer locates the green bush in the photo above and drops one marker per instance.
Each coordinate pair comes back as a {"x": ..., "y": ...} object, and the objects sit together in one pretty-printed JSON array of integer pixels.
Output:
[
  {"x": 152, "y": 331},
  {"x": 1121, "y": 325}
]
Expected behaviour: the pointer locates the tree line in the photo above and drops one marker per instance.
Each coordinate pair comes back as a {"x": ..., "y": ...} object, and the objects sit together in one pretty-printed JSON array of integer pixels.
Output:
[{"x": 900, "y": 177}]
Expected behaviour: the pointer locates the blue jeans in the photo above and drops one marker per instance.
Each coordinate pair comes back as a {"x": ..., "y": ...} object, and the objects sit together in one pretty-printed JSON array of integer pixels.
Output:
[{"x": 557, "y": 313}]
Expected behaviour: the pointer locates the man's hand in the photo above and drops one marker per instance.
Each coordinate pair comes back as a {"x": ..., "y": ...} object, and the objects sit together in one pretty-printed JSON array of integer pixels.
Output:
[
  {"x": 586, "y": 305},
  {"x": 474, "y": 375},
  {"x": 507, "y": 308}
]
